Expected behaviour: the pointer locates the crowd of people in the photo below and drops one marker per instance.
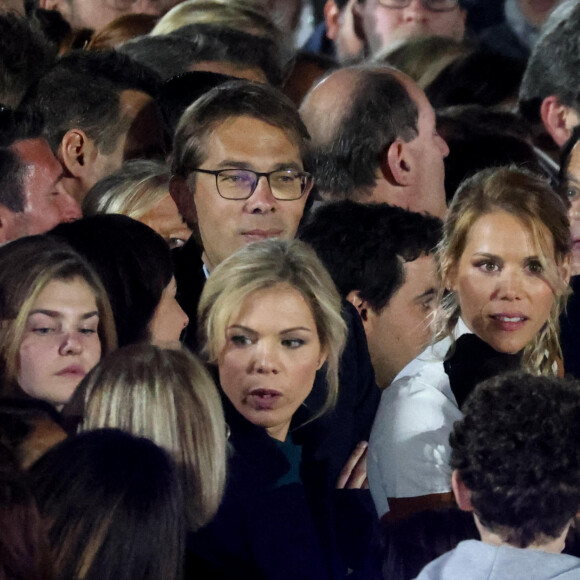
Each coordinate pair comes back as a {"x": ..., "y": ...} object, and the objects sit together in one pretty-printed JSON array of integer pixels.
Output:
[{"x": 278, "y": 312}]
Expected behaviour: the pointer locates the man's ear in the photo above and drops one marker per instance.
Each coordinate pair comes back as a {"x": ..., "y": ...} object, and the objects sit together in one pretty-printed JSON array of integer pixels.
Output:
[
  {"x": 75, "y": 151},
  {"x": 361, "y": 305},
  {"x": 331, "y": 14},
  {"x": 461, "y": 493},
  {"x": 396, "y": 163},
  {"x": 184, "y": 200},
  {"x": 558, "y": 119}
]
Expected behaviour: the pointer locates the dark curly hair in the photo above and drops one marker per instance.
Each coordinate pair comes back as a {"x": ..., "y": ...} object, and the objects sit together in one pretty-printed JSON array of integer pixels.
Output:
[{"x": 517, "y": 450}]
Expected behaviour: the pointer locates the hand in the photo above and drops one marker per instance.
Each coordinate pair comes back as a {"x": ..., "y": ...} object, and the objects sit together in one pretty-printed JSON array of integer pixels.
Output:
[{"x": 354, "y": 473}]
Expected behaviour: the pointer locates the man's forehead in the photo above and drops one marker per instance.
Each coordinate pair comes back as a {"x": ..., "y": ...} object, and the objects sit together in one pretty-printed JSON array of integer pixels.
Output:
[
  {"x": 34, "y": 151},
  {"x": 256, "y": 128}
]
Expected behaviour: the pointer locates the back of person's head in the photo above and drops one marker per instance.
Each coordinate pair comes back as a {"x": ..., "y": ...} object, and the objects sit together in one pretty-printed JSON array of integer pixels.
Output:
[
  {"x": 461, "y": 121},
  {"x": 231, "y": 14},
  {"x": 259, "y": 55},
  {"x": 83, "y": 91},
  {"x": 133, "y": 190},
  {"x": 364, "y": 246},
  {"x": 24, "y": 56},
  {"x": 423, "y": 58},
  {"x": 482, "y": 78},
  {"x": 517, "y": 451},
  {"x": 167, "y": 396},
  {"x": 15, "y": 126},
  {"x": 231, "y": 100},
  {"x": 479, "y": 138},
  {"x": 176, "y": 94},
  {"x": 24, "y": 551},
  {"x": 133, "y": 262},
  {"x": 121, "y": 30},
  {"x": 554, "y": 65},
  {"x": 113, "y": 506},
  {"x": 195, "y": 44},
  {"x": 347, "y": 154}
]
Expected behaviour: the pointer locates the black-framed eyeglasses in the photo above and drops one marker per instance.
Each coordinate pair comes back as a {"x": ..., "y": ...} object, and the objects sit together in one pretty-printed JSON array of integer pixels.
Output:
[
  {"x": 433, "y": 5},
  {"x": 239, "y": 184}
]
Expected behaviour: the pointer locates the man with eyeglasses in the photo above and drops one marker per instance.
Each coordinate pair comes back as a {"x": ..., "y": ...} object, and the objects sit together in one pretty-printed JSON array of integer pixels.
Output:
[
  {"x": 385, "y": 22},
  {"x": 240, "y": 175},
  {"x": 238, "y": 172},
  {"x": 96, "y": 14}
]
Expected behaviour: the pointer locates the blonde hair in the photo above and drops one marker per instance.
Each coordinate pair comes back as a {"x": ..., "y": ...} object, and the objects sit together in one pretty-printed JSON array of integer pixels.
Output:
[
  {"x": 530, "y": 199},
  {"x": 27, "y": 266},
  {"x": 133, "y": 190},
  {"x": 237, "y": 14},
  {"x": 265, "y": 265},
  {"x": 168, "y": 397}
]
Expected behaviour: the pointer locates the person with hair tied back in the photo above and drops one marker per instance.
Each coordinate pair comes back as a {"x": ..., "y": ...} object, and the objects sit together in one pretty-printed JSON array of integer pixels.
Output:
[
  {"x": 269, "y": 318},
  {"x": 504, "y": 265},
  {"x": 516, "y": 466}
]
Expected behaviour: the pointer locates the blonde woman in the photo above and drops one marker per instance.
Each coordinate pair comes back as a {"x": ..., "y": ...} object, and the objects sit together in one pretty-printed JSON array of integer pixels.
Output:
[
  {"x": 140, "y": 190},
  {"x": 504, "y": 262},
  {"x": 168, "y": 397},
  {"x": 270, "y": 317}
]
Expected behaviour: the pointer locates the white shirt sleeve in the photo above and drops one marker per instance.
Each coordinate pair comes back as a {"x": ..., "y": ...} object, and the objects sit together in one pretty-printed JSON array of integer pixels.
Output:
[{"x": 409, "y": 444}]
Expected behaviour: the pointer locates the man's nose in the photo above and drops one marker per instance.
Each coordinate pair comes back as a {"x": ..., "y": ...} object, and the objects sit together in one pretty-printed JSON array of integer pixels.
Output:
[
  {"x": 416, "y": 10},
  {"x": 262, "y": 200}
]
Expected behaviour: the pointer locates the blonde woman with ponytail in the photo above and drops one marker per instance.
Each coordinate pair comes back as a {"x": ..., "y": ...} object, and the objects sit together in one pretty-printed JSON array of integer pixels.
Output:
[{"x": 504, "y": 264}]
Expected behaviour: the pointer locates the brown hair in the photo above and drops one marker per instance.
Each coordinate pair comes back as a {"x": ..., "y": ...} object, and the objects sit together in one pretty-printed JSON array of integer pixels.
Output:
[
  {"x": 27, "y": 266},
  {"x": 233, "y": 99}
]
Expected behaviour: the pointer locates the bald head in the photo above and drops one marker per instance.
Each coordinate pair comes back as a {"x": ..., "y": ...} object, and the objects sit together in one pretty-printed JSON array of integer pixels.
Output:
[
  {"x": 325, "y": 106},
  {"x": 354, "y": 117}
]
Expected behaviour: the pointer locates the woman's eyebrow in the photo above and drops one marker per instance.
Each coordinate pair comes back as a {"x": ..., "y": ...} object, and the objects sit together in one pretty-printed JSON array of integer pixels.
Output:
[{"x": 57, "y": 314}]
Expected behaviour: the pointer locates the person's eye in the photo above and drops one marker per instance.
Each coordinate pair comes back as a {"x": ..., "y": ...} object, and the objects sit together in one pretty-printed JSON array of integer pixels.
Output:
[
  {"x": 293, "y": 342},
  {"x": 571, "y": 193},
  {"x": 42, "y": 330},
  {"x": 240, "y": 340},
  {"x": 535, "y": 267},
  {"x": 235, "y": 178},
  {"x": 487, "y": 266},
  {"x": 428, "y": 304},
  {"x": 284, "y": 177},
  {"x": 88, "y": 331}
]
